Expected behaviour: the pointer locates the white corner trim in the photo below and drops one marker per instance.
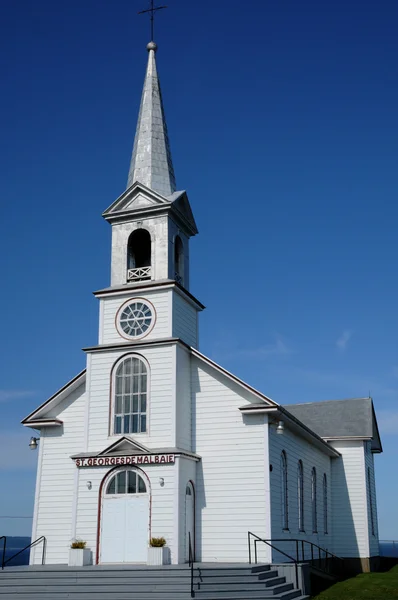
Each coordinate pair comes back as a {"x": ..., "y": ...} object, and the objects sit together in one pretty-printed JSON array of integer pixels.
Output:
[
  {"x": 87, "y": 403},
  {"x": 176, "y": 532},
  {"x": 174, "y": 396},
  {"x": 267, "y": 488},
  {"x": 101, "y": 322},
  {"x": 75, "y": 502},
  {"x": 366, "y": 496},
  {"x": 171, "y": 308},
  {"x": 37, "y": 496}
]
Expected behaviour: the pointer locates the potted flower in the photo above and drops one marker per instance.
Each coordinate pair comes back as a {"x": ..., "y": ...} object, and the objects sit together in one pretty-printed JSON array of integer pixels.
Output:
[
  {"x": 158, "y": 553},
  {"x": 79, "y": 555}
]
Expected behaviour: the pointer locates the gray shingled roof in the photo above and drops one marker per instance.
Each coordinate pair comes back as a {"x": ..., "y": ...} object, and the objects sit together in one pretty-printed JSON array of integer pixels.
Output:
[{"x": 338, "y": 418}]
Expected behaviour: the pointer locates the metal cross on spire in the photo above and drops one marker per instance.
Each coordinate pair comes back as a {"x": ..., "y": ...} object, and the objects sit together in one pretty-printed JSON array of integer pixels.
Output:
[{"x": 152, "y": 9}]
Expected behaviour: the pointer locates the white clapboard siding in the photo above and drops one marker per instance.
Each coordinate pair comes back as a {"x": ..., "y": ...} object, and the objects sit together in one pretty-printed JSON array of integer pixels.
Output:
[
  {"x": 160, "y": 402},
  {"x": 350, "y": 501},
  {"x": 373, "y": 537},
  {"x": 55, "y": 502},
  {"x": 161, "y": 300},
  {"x": 297, "y": 448},
  {"x": 230, "y": 491},
  {"x": 185, "y": 320},
  {"x": 162, "y": 509},
  {"x": 183, "y": 400}
]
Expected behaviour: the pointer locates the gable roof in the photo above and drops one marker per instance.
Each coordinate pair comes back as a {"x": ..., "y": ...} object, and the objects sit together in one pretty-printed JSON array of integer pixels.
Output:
[
  {"x": 124, "y": 445},
  {"x": 205, "y": 359},
  {"x": 141, "y": 201},
  {"x": 36, "y": 417},
  {"x": 340, "y": 419}
]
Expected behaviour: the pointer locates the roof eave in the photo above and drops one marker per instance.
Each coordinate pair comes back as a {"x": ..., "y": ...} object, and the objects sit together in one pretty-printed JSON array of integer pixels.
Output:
[{"x": 41, "y": 423}]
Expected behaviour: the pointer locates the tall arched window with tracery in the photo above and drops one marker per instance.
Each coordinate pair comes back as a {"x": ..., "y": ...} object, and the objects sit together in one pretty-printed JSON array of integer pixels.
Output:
[
  {"x": 325, "y": 504},
  {"x": 314, "y": 501},
  {"x": 284, "y": 492},
  {"x": 300, "y": 495},
  {"x": 130, "y": 396}
]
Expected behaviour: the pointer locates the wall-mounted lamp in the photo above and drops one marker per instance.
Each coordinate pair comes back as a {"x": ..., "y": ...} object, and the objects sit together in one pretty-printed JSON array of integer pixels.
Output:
[
  {"x": 33, "y": 443},
  {"x": 280, "y": 428},
  {"x": 89, "y": 485},
  {"x": 161, "y": 481}
]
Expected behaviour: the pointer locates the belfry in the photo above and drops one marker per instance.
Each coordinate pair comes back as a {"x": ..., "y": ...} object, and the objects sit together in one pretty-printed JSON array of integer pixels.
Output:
[{"x": 154, "y": 439}]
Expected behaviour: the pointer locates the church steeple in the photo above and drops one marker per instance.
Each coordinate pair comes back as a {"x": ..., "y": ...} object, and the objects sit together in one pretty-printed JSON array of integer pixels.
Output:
[{"x": 151, "y": 162}]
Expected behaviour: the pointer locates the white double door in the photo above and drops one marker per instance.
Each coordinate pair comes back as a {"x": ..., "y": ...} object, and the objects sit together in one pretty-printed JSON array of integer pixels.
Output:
[{"x": 125, "y": 528}]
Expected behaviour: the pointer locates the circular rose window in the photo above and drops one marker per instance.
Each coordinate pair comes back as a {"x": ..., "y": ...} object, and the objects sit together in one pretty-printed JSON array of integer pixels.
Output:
[{"x": 136, "y": 318}]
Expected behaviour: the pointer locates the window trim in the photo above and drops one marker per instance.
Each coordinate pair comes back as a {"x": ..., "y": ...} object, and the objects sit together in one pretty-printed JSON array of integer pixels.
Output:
[
  {"x": 284, "y": 491},
  {"x": 119, "y": 495},
  {"x": 300, "y": 496},
  {"x": 112, "y": 398},
  {"x": 120, "y": 310},
  {"x": 325, "y": 504},
  {"x": 370, "y": 499},
  {"x": 314, "y": 501}
]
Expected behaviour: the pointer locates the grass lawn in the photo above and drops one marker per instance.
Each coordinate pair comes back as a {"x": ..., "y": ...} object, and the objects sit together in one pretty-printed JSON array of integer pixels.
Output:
[{"x": 367, "y": 586}]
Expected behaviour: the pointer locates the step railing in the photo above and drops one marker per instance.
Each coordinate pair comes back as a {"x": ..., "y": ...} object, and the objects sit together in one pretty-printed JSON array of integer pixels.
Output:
[
  {"x": 31, "y": 545},
  {"x": 268, "y": 543},
  {"x": 3, "y": 556},
  {"x": 319, "y": 558},
  {"x": 191, "y": 559}
]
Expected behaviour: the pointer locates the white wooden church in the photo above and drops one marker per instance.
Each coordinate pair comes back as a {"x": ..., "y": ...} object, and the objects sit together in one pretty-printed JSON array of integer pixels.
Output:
[{"x": 155, "y": 439}]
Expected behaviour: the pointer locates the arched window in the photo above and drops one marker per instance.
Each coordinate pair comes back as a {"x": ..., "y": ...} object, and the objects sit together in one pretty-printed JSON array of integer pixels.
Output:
[
  {"x": 314, "y": 501},
  {"x": 126, "y": 482},
  {"x": 300, "y": 495},
  {"x": 370, "y": 495},
  {"x": 179, "y": 260},
  {"x": 131, "y": 390},
  {"x": 284, "y": 492},
  {"x": 325, "y": 504},
  {"x": 139, "y": 255}
]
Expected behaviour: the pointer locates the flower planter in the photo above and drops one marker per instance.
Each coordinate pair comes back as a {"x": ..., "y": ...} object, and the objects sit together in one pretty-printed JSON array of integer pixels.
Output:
[
  {"x": 79, "y": 557},
  {"x": 158, "y": 556}
]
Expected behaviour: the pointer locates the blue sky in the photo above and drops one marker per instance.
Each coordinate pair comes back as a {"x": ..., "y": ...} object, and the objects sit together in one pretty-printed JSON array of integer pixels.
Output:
[{"x": 283, "y": 124}]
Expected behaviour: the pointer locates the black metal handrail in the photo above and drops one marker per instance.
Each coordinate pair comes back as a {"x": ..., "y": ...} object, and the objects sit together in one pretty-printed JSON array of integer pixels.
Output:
[
  {"x": 322, "y": 563},
  {"x": 40, "y": 539},
  {"x": 268, "y": 542},
  {"x": 191, "y": 559},
  {"x": 3, "y": 537}
]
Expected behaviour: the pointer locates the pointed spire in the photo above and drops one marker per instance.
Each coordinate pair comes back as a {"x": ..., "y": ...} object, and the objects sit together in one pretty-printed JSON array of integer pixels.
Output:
[{"x": 151, "y": 162}]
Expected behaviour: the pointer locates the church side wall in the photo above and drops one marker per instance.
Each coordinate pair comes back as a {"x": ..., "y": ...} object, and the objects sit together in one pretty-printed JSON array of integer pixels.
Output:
[
  {"x": 185, "y": 320},
  {"x": 161, "y": 394},
  {"x": 55, "y": 504},
  {"x": 373, "y": 537},
  {"x": 231, "y": 485},
  {"x": 297, "y": 448},
  {"x": 349, "y": 501},
  {"x": 110, "y": 306}
]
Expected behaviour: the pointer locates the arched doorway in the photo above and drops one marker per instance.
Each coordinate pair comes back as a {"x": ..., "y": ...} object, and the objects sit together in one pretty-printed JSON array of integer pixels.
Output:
[
  {"x": 189, "y": 519},
  {"x": 124, "y": 518}
]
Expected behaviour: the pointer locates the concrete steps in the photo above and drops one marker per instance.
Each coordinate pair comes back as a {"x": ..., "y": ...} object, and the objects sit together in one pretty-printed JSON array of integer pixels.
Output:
[{"x": 124, "y": 582}]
